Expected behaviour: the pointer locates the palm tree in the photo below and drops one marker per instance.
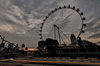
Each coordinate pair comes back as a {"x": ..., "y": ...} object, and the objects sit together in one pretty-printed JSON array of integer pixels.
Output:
[
  {"x": 23, "y": 45},
  {"x": 26, "y": 48}
]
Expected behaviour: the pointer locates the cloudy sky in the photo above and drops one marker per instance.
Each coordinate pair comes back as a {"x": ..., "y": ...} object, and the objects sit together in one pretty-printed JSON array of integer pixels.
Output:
[{"x": 20, "y": 19}]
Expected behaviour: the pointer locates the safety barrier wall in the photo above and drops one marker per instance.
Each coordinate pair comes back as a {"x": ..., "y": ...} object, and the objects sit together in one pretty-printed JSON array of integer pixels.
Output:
[{"x": 68, "y": 59}]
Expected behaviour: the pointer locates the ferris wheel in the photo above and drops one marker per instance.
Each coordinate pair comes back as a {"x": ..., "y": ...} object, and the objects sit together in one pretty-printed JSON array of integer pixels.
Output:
[{"x": 65, "y": 19}]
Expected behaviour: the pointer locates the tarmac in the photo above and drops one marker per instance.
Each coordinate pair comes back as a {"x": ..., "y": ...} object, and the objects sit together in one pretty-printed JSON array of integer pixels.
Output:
[{"x": 39, "y": 62}]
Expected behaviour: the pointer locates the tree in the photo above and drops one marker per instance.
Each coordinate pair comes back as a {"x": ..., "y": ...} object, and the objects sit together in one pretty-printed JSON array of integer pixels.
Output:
[
  {"x": 26, "y": 48},
  {"x": 23, "y": 45}
]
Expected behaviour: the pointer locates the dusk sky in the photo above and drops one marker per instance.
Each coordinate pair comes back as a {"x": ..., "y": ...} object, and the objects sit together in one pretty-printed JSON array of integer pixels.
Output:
[{"x": 20, "y": 19}]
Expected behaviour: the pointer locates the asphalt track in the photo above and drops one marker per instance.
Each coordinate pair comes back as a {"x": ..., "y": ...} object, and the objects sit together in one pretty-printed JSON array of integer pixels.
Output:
[{"x": 11, "y": 62}]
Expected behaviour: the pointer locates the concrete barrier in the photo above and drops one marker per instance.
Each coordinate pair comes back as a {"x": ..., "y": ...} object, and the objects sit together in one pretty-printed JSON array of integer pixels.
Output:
[{"x": 68, "y": 59}]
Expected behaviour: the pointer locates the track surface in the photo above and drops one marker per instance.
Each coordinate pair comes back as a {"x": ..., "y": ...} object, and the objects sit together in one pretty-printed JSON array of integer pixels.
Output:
[{"x": 11, "y": 62}]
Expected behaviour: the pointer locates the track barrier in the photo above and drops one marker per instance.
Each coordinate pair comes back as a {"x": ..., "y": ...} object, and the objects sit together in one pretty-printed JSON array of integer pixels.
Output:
[{"x": 68, "y": 59}]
